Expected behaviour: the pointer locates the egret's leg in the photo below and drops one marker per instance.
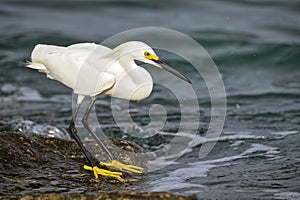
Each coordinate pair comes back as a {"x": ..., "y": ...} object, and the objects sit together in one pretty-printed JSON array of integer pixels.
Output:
[
  {"x": 114, "y": 163},
  {"x": 92, "y": 161},
  {"x": 86, "y": 125},
  {"x": 73, "y": 132}
]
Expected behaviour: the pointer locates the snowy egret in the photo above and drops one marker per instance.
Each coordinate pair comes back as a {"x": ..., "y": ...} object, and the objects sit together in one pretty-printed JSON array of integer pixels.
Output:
[{"x": 112, "y": 72}]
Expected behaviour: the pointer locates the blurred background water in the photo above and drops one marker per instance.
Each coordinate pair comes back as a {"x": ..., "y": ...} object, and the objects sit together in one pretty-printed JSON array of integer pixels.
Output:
[{"x": 255, "y": 45}]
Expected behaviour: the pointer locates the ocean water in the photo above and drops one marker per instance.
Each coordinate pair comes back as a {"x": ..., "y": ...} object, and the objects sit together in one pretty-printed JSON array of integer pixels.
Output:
[{"x": 256, "y": 47}]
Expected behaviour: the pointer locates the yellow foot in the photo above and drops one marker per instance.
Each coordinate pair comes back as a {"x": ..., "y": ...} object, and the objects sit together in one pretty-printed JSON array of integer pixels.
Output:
[
  {"x": 120, "y": 166},
  {"x": 98, "y": 171}
]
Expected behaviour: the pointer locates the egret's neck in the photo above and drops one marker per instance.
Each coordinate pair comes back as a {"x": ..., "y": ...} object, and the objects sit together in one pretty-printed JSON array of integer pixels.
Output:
[
  {"x": 132, "y": 82},
  {"x": 127, "y": 62},
  {"x": 124, "y": 57}
]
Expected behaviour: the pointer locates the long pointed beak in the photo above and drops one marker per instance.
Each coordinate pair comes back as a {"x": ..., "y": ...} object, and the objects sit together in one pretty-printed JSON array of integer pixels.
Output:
[{"x": 171, "y": 70}]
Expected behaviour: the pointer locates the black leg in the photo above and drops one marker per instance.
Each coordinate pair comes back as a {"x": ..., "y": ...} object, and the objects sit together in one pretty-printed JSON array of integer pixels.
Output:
[
  {"x": 86, "y": 125},
  {"x": 93, "y": 162},
  {"x": 73, "y": 131}
]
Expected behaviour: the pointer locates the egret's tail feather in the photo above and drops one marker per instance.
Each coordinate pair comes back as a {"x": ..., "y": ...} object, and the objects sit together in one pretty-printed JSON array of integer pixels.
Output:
[
  {"x": 40, "y": 67},
  {"x": 36, "y": 65}
]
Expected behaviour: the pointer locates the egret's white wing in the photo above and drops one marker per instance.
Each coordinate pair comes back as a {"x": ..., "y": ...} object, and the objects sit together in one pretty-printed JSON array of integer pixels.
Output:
[
  {"x": 92, "y": 82},
  {"x": 73, "y": 71},
  {"x": 59, "y": 65},
  {"x": 96, "y": 55},
  {"x": 89, "y": 47},
  {"x": 86, "y": 45},
  {"x": 90, "y": 51}
]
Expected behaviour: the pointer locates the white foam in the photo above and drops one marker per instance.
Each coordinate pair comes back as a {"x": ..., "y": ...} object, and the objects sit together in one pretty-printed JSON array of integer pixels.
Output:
[
  {"x": 285, "y": 133},
  {"x": 237, "y": 143},
  {"x": 255, "y": 148},
  {"x": 177, "y": 179},
  {"x": 287, "y": 195},
  {"x": 185, "y": 144},
  {"x": 201, "y": 169},
  {"x": 28, "y": 94},
  {"x": 173, "y": 184}
]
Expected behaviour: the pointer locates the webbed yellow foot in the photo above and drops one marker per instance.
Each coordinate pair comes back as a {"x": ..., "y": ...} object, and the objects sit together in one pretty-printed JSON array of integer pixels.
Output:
[
  {"x": 98, "y": 171},
  {"x": 117, "y": 165}
]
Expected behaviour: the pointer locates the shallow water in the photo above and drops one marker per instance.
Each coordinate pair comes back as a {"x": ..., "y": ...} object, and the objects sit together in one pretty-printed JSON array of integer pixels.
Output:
[{"x": 255, "y": 45}]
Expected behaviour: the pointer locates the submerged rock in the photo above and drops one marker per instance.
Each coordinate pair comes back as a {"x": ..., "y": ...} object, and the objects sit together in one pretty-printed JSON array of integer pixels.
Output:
[{"x": 38, "y": 167}]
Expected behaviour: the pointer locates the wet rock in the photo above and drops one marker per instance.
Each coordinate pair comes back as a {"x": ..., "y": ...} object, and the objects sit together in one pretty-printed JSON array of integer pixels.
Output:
[
  {"x": 37, "y": 167},
  {"x": 132, "y": 195}
]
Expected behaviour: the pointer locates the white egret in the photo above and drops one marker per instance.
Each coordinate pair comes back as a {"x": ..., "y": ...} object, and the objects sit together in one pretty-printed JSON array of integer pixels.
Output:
[{"x": 112, "y": 72}]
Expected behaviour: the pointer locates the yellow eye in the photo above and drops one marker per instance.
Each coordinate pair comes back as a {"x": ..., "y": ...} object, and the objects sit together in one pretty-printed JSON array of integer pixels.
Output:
[{"x": 146, "y": 53}]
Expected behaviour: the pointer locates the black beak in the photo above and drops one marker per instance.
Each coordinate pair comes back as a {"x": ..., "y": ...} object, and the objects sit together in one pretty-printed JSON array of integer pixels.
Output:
[{"x": 171, "y": 70}]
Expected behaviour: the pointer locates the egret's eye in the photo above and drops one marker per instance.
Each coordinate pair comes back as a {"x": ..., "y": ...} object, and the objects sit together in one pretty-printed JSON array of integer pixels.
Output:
[{"x": 150, "y": 56}]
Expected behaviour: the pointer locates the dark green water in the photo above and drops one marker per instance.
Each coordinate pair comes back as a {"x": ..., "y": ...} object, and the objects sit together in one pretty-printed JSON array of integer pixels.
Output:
[{"x": 255, "y": 45}]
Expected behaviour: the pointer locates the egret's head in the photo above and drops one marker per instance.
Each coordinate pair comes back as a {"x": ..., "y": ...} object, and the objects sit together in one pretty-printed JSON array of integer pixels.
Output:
[
  {"x": 136, "y": 50},
  {"x": 151, "y": 58}
]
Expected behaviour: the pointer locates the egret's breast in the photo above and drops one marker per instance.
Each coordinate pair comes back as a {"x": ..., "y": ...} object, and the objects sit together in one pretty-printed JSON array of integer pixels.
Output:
[{"x": 134, "y": 84}]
